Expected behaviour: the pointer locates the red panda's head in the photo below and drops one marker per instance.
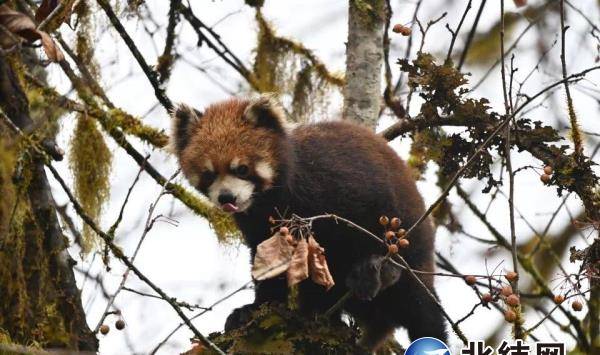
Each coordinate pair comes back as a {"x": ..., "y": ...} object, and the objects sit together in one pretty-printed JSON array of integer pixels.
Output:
[{"x": 232, "y": 151}]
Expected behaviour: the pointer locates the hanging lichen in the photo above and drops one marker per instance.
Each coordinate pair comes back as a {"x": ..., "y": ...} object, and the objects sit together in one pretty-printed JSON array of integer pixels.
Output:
[
  {"x": 286, "y": 67},
  {"x": 268, "y": 63},
  {"x": 84, "y": 37},
  {"x": 90, "y": 158},
  {"x": 91, "y": 164}
]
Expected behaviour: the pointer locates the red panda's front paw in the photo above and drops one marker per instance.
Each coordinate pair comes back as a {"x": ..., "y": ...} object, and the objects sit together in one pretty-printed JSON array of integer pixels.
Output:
[
  {"x": 239, "y": 317},
  {"x": 364, "y": 280}
]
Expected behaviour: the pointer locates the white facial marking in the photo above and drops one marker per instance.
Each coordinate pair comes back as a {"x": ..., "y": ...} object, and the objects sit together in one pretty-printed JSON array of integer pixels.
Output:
[
  {"x": 241, "y": 189},
  {"x": 265, "y": 171},
  {"x": 234, "y": 163},
  {"x": 209, "y": 165}
]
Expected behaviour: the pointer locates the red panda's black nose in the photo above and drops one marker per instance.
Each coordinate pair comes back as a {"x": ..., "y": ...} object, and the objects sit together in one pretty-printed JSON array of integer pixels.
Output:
[{"x": 226, "y": 196}]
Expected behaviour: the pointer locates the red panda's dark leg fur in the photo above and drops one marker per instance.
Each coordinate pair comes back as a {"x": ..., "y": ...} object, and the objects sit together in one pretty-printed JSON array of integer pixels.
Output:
[
  {"x": 375, "y": 333},
  {"x": 426, "y": 318},
  {"x": 271, "y": 290}
]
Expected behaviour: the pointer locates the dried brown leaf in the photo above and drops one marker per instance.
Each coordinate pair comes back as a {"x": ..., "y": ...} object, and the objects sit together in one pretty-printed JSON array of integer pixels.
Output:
[
  {"x": 317, "y": 264},
  {"x": 196, "y": 349},
  {"x": 18, "y": 23},
  {"x": 21, "y": 25},
  {"x": 298, "y": 270},
  {"x": 52, "y": 51},
  {"x": 273, "y": 257},
  {"x": 46, "y": 7}
]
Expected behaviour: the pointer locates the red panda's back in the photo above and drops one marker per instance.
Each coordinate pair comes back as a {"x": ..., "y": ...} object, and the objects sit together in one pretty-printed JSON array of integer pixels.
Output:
[{"x": 354, "y": 169}]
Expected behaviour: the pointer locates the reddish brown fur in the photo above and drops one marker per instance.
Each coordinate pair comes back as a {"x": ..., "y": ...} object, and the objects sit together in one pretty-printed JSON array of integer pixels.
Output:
[
  {"x": 225, "y": 135},
  {"x": 331, "y": 167}
]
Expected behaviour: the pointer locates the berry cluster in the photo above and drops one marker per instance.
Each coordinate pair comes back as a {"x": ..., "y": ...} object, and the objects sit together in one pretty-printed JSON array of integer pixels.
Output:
[
  {"x": 395, "y": 237},
  {"x": 576, "y": 305},
  {"x": 119, "y": 324},
  {"x": 505, "y": 294},
  {"x": 547, "y": 175}
]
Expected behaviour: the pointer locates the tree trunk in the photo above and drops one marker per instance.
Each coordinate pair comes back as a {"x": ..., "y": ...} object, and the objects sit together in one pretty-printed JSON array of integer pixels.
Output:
[
  {"x": 39, "y": 299},
  {"x": 364, "y": 58}
]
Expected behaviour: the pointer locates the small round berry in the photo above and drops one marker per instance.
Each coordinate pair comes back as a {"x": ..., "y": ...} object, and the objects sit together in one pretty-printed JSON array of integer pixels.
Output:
[
  {"x": 403, "y": 30},
  {"x": 506, "y": 291},
  {"x": 512, "y": 276},
  {"x": 558, "y": 299},
  {"x": 401, "y": 232},
  {"x": 104, "y": 329},
  {"x": 548, "y": 170},
  {"x": 577, "y": 306},
  {"x": 383, "y": 220},
  {"x": 487, "y": 298},
  {"x": 513, "y": 300},
  {"x": 120, "y": 324},
  {"x": 392, "y": 248},
  {"x": 545, "y": 178},
  {"x": 470, "y": 280},
  {"x": 403, "y": 243},
  {"x": 389, "y": 235},
  {"x": 284, "y": 230},
  {"x": 510, "y": 316},
  {"x": 395, "y": 223}
]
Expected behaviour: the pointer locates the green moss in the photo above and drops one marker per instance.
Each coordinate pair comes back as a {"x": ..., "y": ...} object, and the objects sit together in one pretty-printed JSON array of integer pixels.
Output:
[
  {"x": 276, "y": 329},
  {"x": 371, "y": 12},
  {"x": 91, "y": 165},
  {"x": 222, "y": 223},
  {"x": 132, "y": 125},
  {"x": 7, "y": 161}
]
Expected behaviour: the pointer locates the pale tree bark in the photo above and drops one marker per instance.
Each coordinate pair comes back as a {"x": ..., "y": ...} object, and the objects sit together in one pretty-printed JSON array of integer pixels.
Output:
[{"x": 364, "y": 58}]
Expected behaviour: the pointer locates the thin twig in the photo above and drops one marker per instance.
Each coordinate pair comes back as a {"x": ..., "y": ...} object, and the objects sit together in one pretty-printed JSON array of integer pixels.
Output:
[
  {"x": 471, "y": 35},
  {"x": 149, "y": 72},
  {"x": 575, "y": 134},
  {"x": 147, "y": 227},
  {"x": 457, "y": 31}
]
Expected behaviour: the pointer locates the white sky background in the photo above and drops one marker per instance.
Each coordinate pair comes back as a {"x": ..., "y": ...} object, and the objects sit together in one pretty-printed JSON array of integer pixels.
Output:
[{"x": 187, "y": 261}]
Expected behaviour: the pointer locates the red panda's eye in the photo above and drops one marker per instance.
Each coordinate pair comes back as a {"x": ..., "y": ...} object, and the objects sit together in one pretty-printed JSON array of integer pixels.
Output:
[
  {"x": 242, "y": 170},
  {"x": 208, "y": 177}
]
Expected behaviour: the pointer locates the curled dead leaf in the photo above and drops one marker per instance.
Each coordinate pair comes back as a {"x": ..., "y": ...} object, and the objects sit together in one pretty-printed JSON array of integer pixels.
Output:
[
  {"x": 22, "y": 26},
  {"x": 52, "y": 51},
  {"x": 273, "y": 257},
  {"x": 18, "y": 23},
  {"x": 317, "y": 264},
  {"x": 298, "y": 269}
]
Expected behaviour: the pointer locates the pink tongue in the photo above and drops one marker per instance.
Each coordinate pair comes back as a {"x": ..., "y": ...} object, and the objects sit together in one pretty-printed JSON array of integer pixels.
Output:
[{"x": 229, "y": 207}]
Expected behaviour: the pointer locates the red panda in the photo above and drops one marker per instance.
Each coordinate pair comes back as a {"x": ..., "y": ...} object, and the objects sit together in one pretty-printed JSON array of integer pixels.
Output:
[{"x": 240, "y": 154}]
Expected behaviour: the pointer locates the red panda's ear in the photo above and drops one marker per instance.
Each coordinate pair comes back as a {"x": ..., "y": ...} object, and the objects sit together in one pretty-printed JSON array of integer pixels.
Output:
[
  {"x": 184, "y": 120},
  {"x": 266, "y": 112}
]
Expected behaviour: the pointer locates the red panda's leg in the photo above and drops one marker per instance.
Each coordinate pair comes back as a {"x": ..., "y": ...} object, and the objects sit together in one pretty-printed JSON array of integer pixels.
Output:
[
  {"x": 425, "y": 319},
  {"x": 271, "y": 290},
  {"x": 375, "y": 331}
]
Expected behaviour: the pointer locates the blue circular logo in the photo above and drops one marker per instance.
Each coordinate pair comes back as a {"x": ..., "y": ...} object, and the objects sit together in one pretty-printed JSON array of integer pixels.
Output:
[{"x": 427, "y": 346}]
